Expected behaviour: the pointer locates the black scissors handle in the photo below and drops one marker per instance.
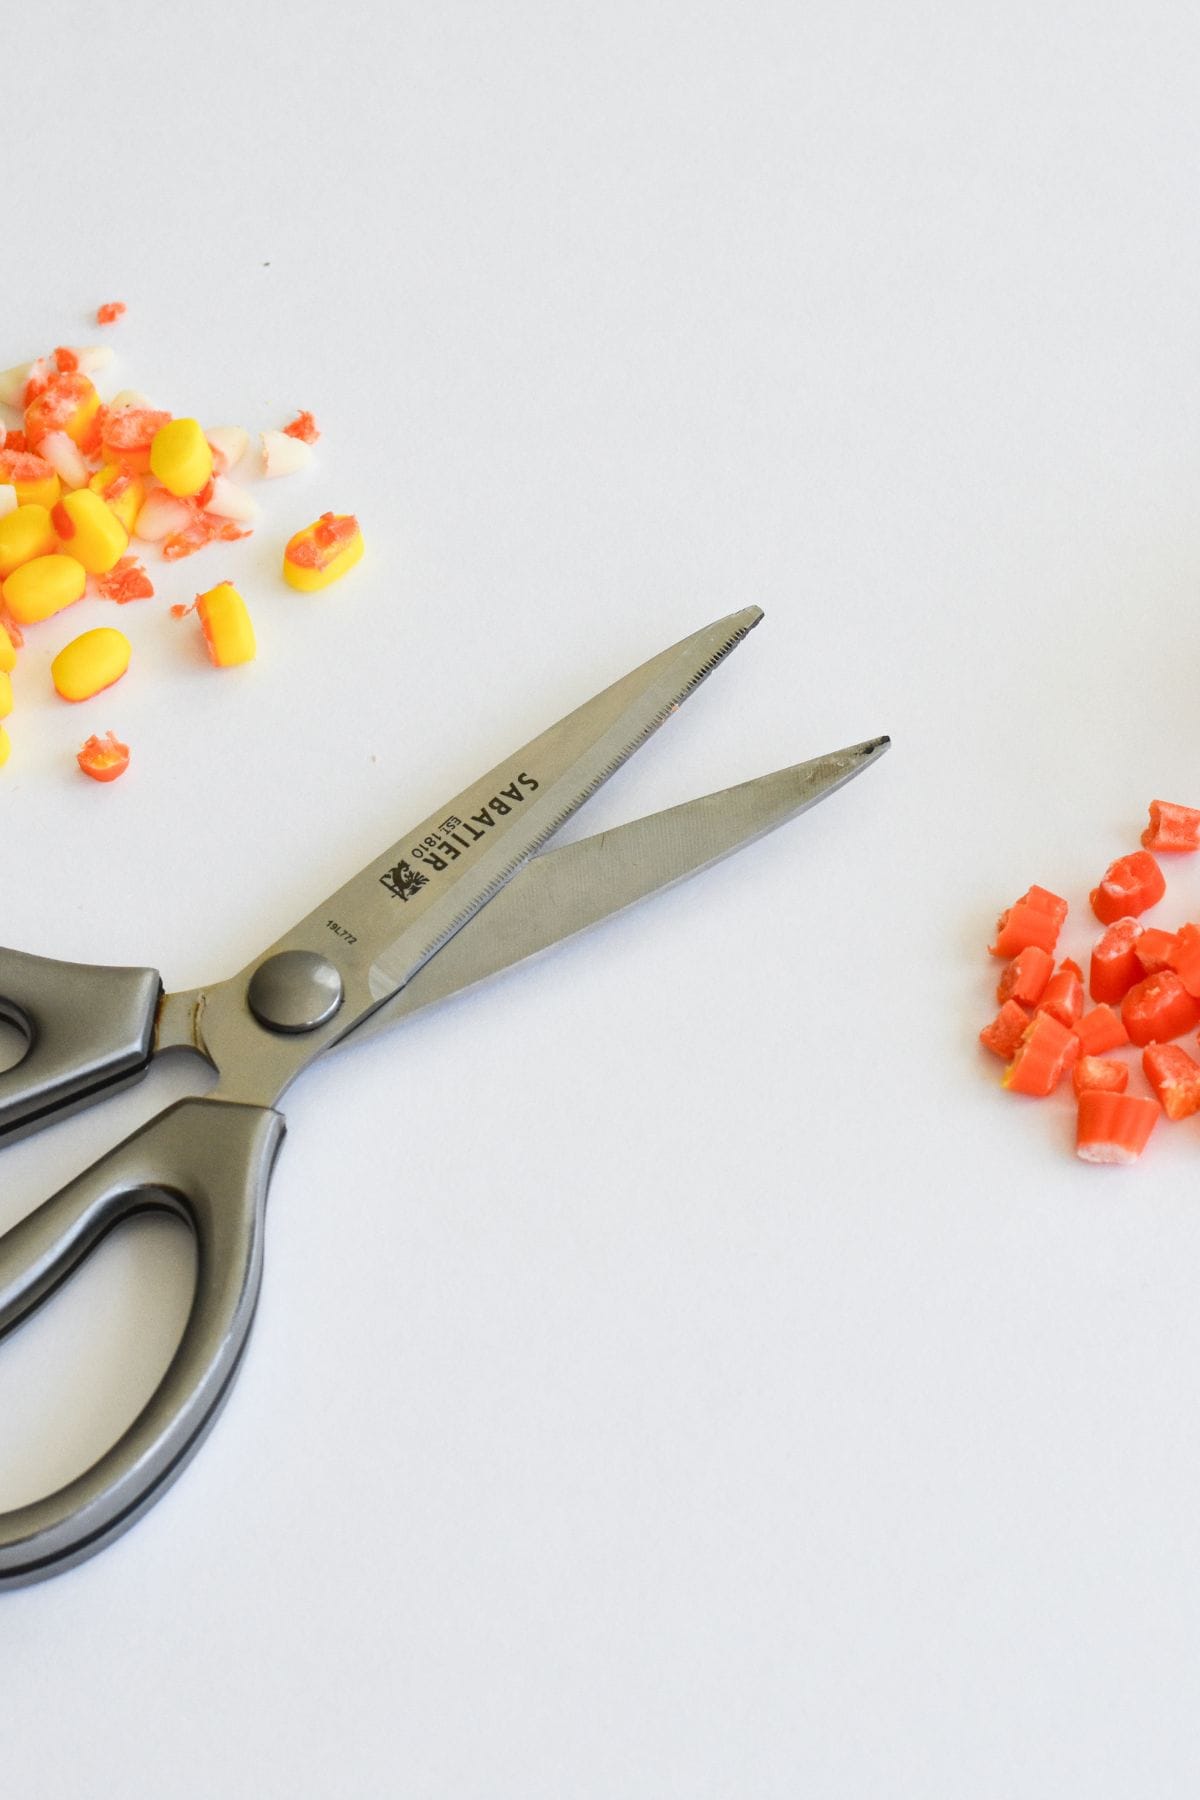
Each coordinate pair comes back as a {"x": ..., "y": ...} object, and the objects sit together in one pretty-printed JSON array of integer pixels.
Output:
[
  {"x": 87, "y": 1031},
  {"x": 207, "y": 1162}
]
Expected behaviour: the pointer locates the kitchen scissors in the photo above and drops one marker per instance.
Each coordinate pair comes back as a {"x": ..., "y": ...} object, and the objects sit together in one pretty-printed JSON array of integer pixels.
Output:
[{"x": 462, "y": 896}]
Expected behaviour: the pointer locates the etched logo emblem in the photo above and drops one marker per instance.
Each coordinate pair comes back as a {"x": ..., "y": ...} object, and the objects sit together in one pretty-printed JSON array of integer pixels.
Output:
[{"x": 404, "y": 881}]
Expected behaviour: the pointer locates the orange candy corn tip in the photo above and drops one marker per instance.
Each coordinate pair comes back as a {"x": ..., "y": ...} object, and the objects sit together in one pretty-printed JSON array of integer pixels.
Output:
[
  {"x": 1158, "y": 1009},
  {"x": 1131, "y": 885},
  {"x": 103, "y": 759}
]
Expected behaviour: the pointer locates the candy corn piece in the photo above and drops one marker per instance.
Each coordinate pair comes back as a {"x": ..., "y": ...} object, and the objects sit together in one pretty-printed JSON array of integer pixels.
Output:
[{"x": 322, "y": 552}]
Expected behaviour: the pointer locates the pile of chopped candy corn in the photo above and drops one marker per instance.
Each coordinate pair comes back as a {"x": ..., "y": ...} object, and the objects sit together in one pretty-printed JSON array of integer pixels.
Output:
[
  {"x": 1144, "y": 984},
  {"x": 80, "y": 477}
]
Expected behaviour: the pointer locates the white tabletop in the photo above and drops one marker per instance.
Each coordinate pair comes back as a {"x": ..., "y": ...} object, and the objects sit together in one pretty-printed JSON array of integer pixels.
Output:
[{"x": 681, "y": 1371}]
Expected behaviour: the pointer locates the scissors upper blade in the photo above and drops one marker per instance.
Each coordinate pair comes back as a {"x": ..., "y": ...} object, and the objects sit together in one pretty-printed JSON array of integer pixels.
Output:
[
  {"x": 383, "y": 925},
  {"x": 484, "y": 835}
]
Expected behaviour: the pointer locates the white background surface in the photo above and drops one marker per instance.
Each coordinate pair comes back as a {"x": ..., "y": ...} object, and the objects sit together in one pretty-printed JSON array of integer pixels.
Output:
[{"x": 681, "y": 1371}]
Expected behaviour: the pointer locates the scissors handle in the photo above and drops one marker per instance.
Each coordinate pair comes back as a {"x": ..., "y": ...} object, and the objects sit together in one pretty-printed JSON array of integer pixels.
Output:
[
  {"x": 87, "y": 1030},
  {"x": 207, "y": 1162}
]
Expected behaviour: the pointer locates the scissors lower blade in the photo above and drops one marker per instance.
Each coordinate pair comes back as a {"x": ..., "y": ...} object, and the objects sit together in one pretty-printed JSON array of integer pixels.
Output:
[{"x": 566, "y": 891}]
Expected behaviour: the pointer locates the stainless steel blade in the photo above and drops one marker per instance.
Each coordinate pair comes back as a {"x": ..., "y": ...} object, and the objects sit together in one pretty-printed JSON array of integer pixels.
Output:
[
  {"x": 563, "y": 892},
  {"x": 370, "y": 937}
]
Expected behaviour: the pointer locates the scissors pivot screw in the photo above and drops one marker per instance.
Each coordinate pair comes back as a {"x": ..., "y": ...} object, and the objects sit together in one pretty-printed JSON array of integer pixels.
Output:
[{"x": 296, "y": 990}]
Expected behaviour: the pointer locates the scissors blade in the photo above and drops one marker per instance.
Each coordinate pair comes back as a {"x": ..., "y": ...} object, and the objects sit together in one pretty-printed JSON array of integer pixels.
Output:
[
  {"x": 561, "y": 893},
  {"x": 465, "y": 852},
  {"x": 378, "y": 929}
]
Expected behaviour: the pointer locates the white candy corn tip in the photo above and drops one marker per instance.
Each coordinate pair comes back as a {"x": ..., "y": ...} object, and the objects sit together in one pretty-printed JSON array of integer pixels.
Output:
[
  {"x": 161, "y": 514},
  {"x": 228, "y": 445},
  {"x": 125, "y": 399},
  {"x": 8, "y": 500},
  {"x": 229, "y": 501},
  {"x": 12, "y": 385},
  {"x": 93, "y": 357},
  {"x": 65, "y": 458},
  {"x": 283, "y": 455}
]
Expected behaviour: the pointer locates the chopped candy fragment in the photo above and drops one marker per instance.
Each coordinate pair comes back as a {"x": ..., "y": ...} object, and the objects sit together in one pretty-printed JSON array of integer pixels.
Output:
[
  {"x": 36, "y": 483},
  {"x": 1155, "y": 949},
  {"x": 8, "y": 650},
  {"x": 1157, "y": 1009},
  {"x": 325, "y": 550},
  {"x": 8, "y": 499},
  {"x": 124, "y": 493},
  {"x": 202, "y": 530},
  {"x": 1113, "y": 1128},
  {"x": 1100, "y": 1030},
  {"x": 1175, "y": 1078},
  {"x": 1026, "y": 922},
  {"x": 1046, "y": 1049},
  {"x": 1063, "y": 997},
  {"x": 37, "y": 379},
  {"x": 126, "y": 581},
  {"x": 1172, "y": 827},
  {"x": 1026, "y": 976},
  {"x": 110, "y": 312},
  {"x": 1185, "y": 957},
  {"x": 1006, "y": 1030},
  {"x": 1098, "y": 1072},
  {"x": 127, "y": 434},
  {"x": 5, "y": 746},
  {"x": 1115, "y": 963},
  {"x": 304, "y": 427},
  {"x": 1131, "y": 885},
  {"x": 6, "y": 694},
  {"x": 67, "y": 403},
  {"x": 104, "y": 758}
]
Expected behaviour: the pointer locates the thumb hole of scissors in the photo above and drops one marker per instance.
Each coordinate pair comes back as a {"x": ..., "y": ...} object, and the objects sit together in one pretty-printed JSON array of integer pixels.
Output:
[{"x": 80, "y": 1369}]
